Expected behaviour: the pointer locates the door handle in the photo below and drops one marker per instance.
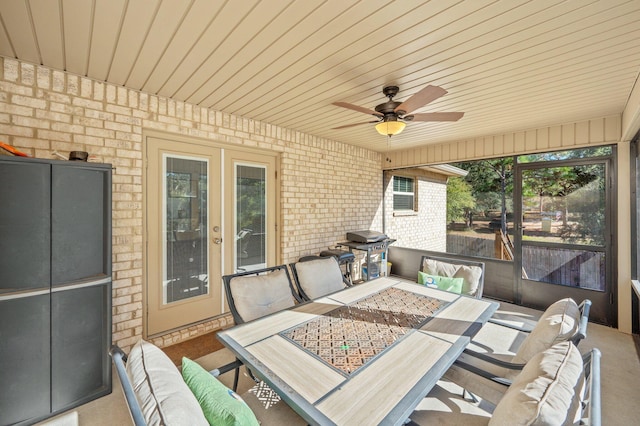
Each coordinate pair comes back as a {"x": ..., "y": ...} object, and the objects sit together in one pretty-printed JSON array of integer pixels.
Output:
[{"x": 217, "y": 240}]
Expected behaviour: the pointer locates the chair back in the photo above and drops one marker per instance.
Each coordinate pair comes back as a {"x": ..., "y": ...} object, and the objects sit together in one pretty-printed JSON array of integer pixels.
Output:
[
  {"x": 471, "y": 272},
  {"x": 581, "y": 333},
  {"x": 556, "y": 387},
  {"x": 254, "y": 294},
  {"x": 119, "y": 359},
  {"x": 317, "y": 277}
]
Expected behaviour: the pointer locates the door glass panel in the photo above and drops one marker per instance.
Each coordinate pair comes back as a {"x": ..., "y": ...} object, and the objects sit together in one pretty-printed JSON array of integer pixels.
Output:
[
  {"x": 563, "y": 225},
  {"x": 250, "y": 218},
  {"x": 186, "y": 270}
]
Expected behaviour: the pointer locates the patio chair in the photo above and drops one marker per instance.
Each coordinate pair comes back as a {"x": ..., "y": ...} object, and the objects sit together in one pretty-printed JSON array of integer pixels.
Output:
[
  {"x": 317, "y": 276},
  {"x": 557, "y": 386},
  {"x": 471, "y": 273},
  {"x": 345, "y": 260},
  {"x": 497, "y": 353},
  {"x": 157, "y": 393},
  {"x": 254, "y": 294}
]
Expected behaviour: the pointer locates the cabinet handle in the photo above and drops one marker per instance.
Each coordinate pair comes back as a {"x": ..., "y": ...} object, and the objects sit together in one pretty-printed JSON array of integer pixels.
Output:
[
  {"x": 23, "y": 294},
  {"x": 72, "y": 286}
]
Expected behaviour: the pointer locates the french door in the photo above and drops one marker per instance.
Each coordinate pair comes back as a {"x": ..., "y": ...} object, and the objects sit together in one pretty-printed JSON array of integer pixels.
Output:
[
  {"x": 184, "y": 234},
  {"x": 251, "y": 212},
  {"x": 209, "y": 211},
  {"x": 563, "y": 222}
]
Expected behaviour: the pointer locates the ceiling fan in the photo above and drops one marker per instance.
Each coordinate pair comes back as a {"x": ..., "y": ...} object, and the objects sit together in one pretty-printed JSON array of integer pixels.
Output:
[{"x": 392, "y": 115}]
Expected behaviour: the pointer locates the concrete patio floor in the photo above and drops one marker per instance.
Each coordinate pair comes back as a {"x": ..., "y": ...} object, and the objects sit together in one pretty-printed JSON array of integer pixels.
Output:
[{"x": 620, "y": 371}]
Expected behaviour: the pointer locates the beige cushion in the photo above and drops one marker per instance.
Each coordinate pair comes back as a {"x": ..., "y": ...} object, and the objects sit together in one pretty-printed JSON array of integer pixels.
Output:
[
  {"x": 546, "y": 392},
  {"x": 470, "y": 274},
  {"x": 258, "y": 295},
  {"x": 164, "y": 397},
  {"x": 558, "y": 323},
  {"x": 319, "y": 277}
]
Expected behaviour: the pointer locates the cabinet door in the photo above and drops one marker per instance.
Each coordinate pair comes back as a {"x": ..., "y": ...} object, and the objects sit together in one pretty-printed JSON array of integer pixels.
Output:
[
  {"x": 80, "y": 338},
  {"x": 81, "y": 283},
  {"x": 25, "y": 199},
  {"x": 80, "y": 224},
  {"x": 24, "y": 358}
]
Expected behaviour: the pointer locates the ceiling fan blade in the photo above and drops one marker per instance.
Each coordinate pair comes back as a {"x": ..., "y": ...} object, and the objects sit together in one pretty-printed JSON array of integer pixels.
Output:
[
  {"x": 354, "y": 124},
  {"x": 358, "y": 108},
  {"x": 438, "y": 116},
  {"x": 420, "y": 99}
]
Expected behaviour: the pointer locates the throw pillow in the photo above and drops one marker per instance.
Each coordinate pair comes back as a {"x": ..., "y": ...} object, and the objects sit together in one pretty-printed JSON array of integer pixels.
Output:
[
  {"x": 163, "y": 395},
  {"x": 450, "y": 284},
  {"x": 221, "y": 406}
]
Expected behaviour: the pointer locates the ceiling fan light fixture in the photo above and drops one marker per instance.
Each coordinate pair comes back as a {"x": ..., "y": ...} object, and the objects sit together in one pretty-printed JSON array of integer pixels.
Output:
[{"x": 390, "y": 128}]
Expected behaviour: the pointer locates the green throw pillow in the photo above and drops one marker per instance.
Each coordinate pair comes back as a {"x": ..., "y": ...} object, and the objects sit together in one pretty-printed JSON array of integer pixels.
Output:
[
  {"x": 451, "y": 284},
  {"x": 221, "y": 405}
]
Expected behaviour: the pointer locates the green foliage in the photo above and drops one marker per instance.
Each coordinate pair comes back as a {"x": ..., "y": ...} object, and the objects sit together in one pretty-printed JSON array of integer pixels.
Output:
[
  {"x": 460, "y": 199},
  {"x": 251, "y": 204},
  {"x": 599, "y": 151},
  {"x": 577, "y": 191},
  {"x": 489, "y": 176}
]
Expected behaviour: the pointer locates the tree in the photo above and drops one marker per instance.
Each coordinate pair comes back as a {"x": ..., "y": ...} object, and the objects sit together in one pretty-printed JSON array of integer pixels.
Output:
[
  {"x": 493, "y": 176},
  {"x": 582, "y": 187},
  {"x": 460, "y": 199}
]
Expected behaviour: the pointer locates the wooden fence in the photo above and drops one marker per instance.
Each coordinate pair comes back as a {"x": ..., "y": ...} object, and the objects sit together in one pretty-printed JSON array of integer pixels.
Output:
[
  {"x": 470, "y": 246},
  {"x": 576, "y": 268}
]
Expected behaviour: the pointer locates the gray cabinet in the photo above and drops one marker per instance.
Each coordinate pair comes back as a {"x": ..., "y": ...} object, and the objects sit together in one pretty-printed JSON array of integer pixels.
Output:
[{"x": 55, "y": 286}]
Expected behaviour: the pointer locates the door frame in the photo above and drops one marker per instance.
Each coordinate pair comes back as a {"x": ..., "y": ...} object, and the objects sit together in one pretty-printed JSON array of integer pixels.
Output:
[
  {"x": 605, "y": 307},
  {"x": 226, "y": 234}
]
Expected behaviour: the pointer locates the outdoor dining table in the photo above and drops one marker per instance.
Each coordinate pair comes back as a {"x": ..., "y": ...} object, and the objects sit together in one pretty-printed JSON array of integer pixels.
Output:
[{"x": 367, "y": 354}]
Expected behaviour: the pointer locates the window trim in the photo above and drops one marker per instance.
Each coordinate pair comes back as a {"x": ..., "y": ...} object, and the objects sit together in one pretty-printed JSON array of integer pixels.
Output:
[{"x": 413, "y": 194}]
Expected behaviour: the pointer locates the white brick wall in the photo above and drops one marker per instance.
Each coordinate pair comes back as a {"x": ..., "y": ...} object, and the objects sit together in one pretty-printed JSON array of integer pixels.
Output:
[
  {"x": 426, "y": 228},
  {"x": 327, "y": 187}
]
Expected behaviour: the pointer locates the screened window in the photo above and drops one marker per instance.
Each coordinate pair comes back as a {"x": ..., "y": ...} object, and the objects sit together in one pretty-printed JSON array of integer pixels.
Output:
[{"x": 403, "y": 193}]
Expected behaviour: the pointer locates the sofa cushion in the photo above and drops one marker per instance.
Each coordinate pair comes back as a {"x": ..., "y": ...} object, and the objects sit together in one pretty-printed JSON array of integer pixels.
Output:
[
  {"x": 258, "y": 295},
  {"x": 164, "y": 397},
  {"x": 470, "y": 274},
  {"x": 558, "y": 323},
  {"x": 319, "y": 277},
  {"x": 221, "y": 405},
  {"x": 546, "y": 392}
]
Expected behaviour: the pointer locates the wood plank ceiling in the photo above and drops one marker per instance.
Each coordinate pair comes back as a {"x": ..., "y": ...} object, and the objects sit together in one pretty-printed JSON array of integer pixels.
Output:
[{"x": 509, "y": 65}]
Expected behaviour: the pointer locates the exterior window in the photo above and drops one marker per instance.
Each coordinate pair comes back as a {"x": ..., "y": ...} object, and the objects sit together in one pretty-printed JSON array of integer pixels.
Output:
[{"x": 403, "y": 193}]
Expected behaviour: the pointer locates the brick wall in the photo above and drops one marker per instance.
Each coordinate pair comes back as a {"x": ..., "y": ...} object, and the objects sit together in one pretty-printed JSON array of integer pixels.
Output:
[
  {"x": 327, "y": 187},
  {"x": 425, "y": 228}
]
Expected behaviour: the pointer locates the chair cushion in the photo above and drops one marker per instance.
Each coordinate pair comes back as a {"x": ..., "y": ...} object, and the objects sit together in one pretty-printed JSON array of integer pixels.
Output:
[
  {"x": 546, "y": 392},
  {"x": 162, "y": 394},
  {"x": 558, "y": 323},
  {"x": 221, "y": 405},
  {"x": 470, "y": 274},
  {"x": 319, "y": 277},
  {"x": 450, "y": 284},
  {"x": 258, "y": 295}
]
